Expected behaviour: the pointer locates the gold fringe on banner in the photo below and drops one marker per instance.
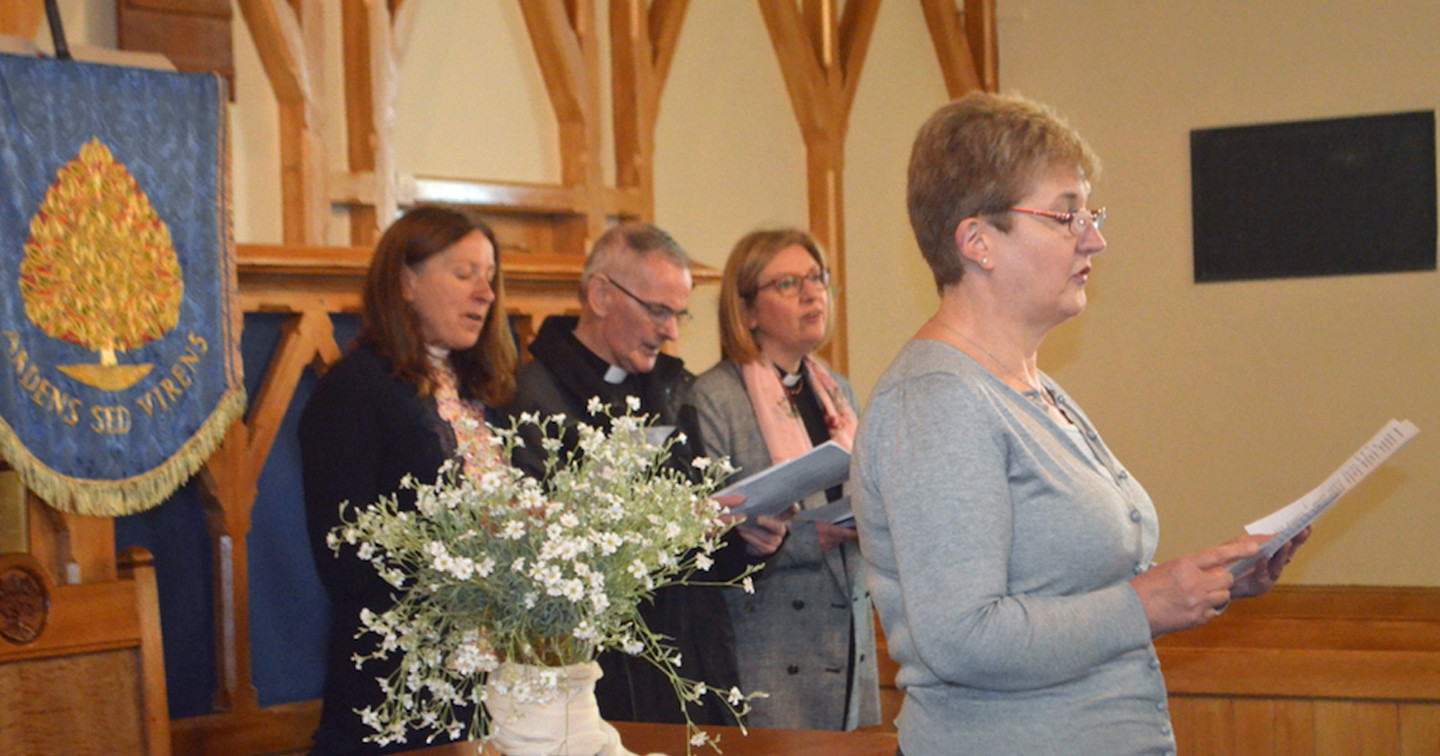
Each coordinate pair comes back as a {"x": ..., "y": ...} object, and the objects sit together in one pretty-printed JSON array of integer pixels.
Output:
[{"x": 113, "y": 498}]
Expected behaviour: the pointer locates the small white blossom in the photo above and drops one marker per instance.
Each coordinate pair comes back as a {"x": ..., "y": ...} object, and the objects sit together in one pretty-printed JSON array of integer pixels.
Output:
[
  {"x": 485, "y": 567},
  {"x": 637, "y": 569},
  {"x": 463, "y": 568},
  {"x": 633, "y": 402},
  {"x": 609, "y": 543},
  {"x": 443, "y": 563},
  {"x": 703, "y": 563},
  {"x": 748, "y": 585}
]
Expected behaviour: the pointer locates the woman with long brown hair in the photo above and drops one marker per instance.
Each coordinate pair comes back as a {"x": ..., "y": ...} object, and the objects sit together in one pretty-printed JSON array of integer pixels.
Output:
[{"x": 434, "y": 357}]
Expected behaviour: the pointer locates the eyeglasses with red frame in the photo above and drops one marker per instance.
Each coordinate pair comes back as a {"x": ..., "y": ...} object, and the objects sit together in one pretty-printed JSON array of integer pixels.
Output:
[{"x": 1077, "y": 221}]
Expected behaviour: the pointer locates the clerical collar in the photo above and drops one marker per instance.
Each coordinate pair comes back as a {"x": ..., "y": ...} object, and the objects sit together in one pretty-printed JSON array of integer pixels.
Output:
[
  {"x": 437, "y": 354},
  {"x": 614, "y": 374},
  {"x": 790, "y": 380}
]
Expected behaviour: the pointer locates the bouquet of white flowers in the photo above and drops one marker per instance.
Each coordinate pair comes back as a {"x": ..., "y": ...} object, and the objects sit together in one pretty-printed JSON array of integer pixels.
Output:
[{"x": 491, "y": 567}]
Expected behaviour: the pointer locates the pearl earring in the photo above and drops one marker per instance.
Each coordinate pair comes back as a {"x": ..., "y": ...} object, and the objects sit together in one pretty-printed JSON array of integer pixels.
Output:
[{"x": 984, "y": 261}]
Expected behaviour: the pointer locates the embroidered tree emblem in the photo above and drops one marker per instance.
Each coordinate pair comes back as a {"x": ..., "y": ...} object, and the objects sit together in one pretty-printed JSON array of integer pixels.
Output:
[{"x": 100, "y": 269}]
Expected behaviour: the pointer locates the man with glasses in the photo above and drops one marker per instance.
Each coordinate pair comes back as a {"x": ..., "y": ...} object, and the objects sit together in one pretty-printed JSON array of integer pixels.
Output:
[{"x": 634, "y": 291}]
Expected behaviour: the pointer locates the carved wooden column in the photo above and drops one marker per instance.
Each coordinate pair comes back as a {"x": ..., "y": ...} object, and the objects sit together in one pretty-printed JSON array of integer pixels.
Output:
[
  {"x": 642, "y": 47},
  {"x": 964, "y": 43},
  {"x": 307, "y": 284},
  {"x": 821, "y": 53},
  {"x": 567, "y": 50},
  {"x": 374, "y": 34},
  {"x": 289, "y": 38}
]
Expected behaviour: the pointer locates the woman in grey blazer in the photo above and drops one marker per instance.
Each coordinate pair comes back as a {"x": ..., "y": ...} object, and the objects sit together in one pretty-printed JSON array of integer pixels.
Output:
[{"x": 806, "y": 635}]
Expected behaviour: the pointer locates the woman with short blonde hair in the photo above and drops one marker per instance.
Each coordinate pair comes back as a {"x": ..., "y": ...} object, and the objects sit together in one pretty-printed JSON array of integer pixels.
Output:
[{"x": 1009, "y": 550}]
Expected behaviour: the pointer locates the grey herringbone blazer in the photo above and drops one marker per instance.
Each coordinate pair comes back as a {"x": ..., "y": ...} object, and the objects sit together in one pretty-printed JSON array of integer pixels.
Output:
[{"x": 794, "y": 633}]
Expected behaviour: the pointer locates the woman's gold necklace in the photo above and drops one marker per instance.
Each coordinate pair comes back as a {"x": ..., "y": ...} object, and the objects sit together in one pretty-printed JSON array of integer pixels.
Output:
[{"x": 1035, "y": 391}]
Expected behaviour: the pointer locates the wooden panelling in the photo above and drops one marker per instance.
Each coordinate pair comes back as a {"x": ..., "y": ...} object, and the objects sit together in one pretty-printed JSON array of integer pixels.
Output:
[
  {"x": 1356, "y": 728},
  {"x": 1310, "y": 671},
  {"x": 1419, "y": 730},
  {"x": 21, "y": 18},
  {"x": 92, "y": 681},
  {"x": 194, "y": 34}
]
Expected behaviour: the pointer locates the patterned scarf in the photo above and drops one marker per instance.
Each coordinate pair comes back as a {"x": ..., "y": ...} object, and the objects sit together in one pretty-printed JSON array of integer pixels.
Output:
[
  {"x": 780, "y": 423},
  {"x": 465, "y": 417}
]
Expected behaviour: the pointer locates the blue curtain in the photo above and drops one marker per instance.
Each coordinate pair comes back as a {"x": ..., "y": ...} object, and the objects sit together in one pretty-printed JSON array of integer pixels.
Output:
[{"x": 288, "y": 609}]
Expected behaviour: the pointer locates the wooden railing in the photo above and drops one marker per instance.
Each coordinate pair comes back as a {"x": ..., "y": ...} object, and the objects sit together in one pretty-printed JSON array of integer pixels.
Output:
[
  {"x": 1304, "y": 671},
  {"x": 1311, "y": 670}
]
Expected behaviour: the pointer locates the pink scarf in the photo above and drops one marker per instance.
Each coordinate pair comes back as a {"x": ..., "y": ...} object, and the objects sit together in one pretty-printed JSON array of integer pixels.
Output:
[{"x": 780, "y": 423}]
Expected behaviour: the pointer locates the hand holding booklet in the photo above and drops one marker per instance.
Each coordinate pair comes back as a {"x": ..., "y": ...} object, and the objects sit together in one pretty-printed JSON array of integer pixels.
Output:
[
  {"x": 772, "y": 490},
  {"x": 1287, "y": 522}
]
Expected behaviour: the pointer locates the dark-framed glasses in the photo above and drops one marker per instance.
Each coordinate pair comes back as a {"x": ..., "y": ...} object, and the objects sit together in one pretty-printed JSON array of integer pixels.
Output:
[
  {"x": 789, "y": 286},
  {"x": 659, "y": 313},
  {"x": 1077, "y": 221}
]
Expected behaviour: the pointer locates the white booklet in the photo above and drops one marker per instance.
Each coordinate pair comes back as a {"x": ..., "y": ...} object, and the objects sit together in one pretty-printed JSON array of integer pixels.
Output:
[
  {"x": 772, "y": 490},
  {"x": 1288, "y": 521}
]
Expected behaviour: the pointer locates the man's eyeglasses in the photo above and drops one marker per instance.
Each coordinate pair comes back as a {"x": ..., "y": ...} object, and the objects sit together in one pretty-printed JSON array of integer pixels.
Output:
[
  {"x": 789, "y": 286},
  {"x": 659, "y": 313},
  {"x": 1077, "y": 221}
]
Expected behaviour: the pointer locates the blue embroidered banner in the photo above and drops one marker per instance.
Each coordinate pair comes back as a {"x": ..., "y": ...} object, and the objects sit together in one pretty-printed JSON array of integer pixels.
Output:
[{"x": 119, "y": 321}]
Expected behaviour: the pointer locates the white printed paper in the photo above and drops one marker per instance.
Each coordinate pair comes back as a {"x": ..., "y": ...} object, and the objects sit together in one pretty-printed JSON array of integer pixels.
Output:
[{"x": 1288, "y": 521}]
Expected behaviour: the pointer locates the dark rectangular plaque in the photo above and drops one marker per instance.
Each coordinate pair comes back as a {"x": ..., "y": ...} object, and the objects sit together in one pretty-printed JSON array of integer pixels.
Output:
[{"x": 1314, "y": 198}]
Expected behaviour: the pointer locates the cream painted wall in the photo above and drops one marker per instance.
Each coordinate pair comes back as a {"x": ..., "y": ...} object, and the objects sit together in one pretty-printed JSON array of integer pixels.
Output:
[
  {"x": 471, "y": 101},
  {"x": 728, "y": 154},
  {"x": 1225, "y": 399},
  {"x": 891, "y": 290},
  {"x": 1228, "y": 400}
]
